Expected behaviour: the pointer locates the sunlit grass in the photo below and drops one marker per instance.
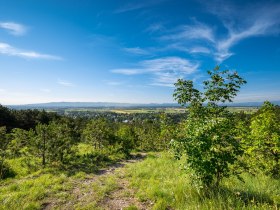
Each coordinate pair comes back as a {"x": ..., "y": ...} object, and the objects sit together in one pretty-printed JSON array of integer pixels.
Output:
[
  {"x": 162, "y": 181},
  {"x": 29, "y": 192}
]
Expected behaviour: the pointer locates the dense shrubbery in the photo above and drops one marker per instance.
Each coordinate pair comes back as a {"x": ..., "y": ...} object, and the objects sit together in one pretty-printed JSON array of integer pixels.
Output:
[{"x": 261, "y": 140}]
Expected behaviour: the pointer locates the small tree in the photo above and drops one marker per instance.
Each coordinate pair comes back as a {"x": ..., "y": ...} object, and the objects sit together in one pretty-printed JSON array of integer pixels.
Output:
[
  {"x": 97, "y": 133},
  {"x": 21, "y": 140},
  {"x": 41, "y": 141},
  {"x": 126, "y": 138},
  {"x": 208, "y": 137},
  {"x": 62, "y": 140}
]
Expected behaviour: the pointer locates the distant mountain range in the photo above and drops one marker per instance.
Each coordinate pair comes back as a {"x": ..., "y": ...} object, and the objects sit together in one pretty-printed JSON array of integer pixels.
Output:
[{"x": 60, "y": 105}]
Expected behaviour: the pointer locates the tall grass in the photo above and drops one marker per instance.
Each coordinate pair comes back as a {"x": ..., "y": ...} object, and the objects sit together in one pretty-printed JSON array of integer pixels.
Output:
[{"x": 163, "y": 181}]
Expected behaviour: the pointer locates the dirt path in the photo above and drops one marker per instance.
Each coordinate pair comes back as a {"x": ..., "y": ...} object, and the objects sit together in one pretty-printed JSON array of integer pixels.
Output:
[
  {"x": 107, "y": 189},
  {"x": 124, "y": 196}
]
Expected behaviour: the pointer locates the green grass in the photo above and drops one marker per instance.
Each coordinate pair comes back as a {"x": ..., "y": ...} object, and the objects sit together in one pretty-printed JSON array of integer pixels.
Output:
[
  {"x": 31, "y": 191},
  {"x": 162, "y": 181},
  {"x": 159, "y": 180},
  {"x": 39, "y": 189},
  {"x": 34, "y": 186}
]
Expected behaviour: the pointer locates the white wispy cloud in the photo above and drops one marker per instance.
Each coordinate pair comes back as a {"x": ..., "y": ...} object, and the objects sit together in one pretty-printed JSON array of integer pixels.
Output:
[
  {"x": 196, "y": 49},
  {"x": 127, "y": 71},
  {"x": 14, "y": 28},
  {"x": 164, "y": 71},
  {"x": 240, "y": 23},
  {"x": 9, "y": 50},
  {"x": 65, "y": 83},
  {"x": 113, "y": 83},
  {"x": 155, "y": 27},
  {"x": 134, "y": 5},
  {"x": 136, "y": 51},
  {"x": 266, "y": 24},
  {"x": 188, "y": 32},
  {"x": 199, "y": 49}
]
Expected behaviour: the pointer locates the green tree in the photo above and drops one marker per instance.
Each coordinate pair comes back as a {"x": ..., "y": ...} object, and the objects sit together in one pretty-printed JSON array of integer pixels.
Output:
[
  {"x": 265, "y": 139},
  {"x": 62, "y": 139},
  {"x": 21, "y": 141},
  {"x": 41, "y": 142},
  {"x": 208, "y": 139},
  {"x": 148, "y": 135},
  {"x": 98, "y": 133},
  {"x": 126, "y": 138}
]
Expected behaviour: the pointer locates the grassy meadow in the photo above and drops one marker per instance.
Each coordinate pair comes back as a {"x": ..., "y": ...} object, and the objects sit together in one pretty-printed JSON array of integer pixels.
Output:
[{"x": 157, "y": 182}]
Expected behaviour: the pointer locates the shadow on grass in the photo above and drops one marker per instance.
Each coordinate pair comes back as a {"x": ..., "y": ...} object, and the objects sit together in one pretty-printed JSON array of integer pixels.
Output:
[
  {"x": 96, "y": 163},
  {"x": 247, "y": 198}
]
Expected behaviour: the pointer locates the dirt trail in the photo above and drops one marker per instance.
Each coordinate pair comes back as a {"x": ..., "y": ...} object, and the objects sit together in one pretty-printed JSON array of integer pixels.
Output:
[
  {"x": 123, "y": 196},
  {"x": 94, "y": 191}
]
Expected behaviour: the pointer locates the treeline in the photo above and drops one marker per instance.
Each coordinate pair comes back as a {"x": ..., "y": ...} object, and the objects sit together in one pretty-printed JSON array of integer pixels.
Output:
[
  {"x": 24, "y": 119},
  {"x": 38, "y": 139}
]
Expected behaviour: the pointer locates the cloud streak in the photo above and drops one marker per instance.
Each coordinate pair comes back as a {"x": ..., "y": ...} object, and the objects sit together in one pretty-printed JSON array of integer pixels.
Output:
[
  {"x": 65, "y": 83},
  {"x": 191, "y": 32},
  {"x": 136, "y": 51},
  {"x": 113, "y": 83},
  {"x": 137, "y": 5},
  {"x": 15, "y": 29},
  {"x": 240, "y": 23},
  {"x": 9, "y": 50},
  {"x": 165, "y": 71}
]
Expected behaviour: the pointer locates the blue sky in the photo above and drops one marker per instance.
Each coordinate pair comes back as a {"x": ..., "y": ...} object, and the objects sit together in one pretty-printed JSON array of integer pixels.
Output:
[{"x": 134, "y": 50}]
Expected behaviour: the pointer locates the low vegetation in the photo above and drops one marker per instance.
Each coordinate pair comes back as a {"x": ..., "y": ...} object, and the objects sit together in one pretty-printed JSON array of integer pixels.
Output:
[{"x": 167, "y": 184}]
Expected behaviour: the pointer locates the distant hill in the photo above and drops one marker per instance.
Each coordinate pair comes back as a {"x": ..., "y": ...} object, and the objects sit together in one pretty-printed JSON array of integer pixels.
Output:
[
  {"x": 252, "y": 104},
  {"x": 61, "y": 105},
  {"x": 58, "y": 105}
]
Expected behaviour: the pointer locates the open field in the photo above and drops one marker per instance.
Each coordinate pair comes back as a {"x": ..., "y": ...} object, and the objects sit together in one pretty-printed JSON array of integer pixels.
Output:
[{"x": 128, "y": 110}]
